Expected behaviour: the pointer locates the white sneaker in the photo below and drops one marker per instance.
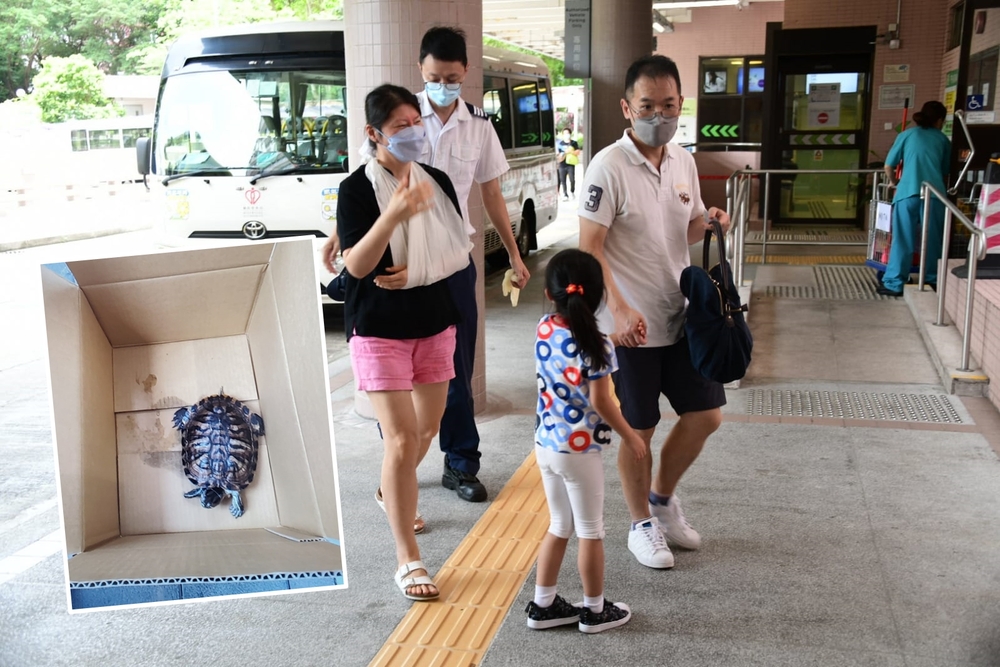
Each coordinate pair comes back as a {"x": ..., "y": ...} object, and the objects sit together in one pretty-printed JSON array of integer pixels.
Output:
[
  {"x": 647, "y": 544},
  {"x": 674, "y": 526}
]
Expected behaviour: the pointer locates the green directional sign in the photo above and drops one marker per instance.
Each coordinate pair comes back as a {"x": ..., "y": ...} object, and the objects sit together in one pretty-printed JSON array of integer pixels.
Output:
[
  {"x": 529, "y": 138},
  {"x": 822, "y": 140},
  {"x": 546, "y": 137},
  {"x": 720, "y": 131}
]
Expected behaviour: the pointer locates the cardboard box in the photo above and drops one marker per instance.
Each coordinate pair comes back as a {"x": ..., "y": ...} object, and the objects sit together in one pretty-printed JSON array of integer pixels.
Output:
[{"x": 131, "y": 340}]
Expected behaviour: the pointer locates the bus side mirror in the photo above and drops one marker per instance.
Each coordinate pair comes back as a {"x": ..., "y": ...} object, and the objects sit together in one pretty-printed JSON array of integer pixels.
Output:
[{"x": 142, "y": 155}]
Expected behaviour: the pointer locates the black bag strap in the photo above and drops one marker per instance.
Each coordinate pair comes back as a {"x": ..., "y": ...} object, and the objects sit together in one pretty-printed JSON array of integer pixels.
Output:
[{"x": 706, "y": 247}]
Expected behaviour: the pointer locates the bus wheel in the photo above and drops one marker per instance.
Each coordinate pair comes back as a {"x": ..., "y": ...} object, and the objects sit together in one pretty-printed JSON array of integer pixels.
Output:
[{"x": 526, "y": 235}]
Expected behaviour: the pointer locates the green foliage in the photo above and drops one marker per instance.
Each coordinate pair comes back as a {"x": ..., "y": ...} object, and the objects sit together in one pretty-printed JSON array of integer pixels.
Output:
[
  {"x": 557, "y": 69},
  {"x": 71, "y": 88}
]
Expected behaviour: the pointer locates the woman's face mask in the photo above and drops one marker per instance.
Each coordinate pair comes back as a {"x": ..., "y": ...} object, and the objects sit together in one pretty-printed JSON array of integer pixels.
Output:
[
  {"x": 442, "y": 94},
  {"x": 407, "y": 144},
  {"x": 655, "y": 131}
]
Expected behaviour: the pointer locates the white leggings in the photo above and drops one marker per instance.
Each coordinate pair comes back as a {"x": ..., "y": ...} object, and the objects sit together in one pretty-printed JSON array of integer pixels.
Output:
[{"x": 574, "y": 489}]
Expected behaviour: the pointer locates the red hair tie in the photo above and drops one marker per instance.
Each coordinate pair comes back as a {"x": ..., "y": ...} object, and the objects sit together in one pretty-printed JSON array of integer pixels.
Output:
[{"x": 573, "y": 288}]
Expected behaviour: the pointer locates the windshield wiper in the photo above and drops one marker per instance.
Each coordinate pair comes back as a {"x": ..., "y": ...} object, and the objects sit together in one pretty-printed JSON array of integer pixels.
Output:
[
  {"x": 191, "y": 174},
  {"x": 302, "y": 168}
]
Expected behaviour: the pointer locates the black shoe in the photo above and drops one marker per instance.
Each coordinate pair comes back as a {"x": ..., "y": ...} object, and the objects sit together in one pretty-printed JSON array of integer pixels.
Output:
[
  {"x": 468, "y": 487},
  {"x": 613, "y": 615},
  {"x": 885, "y": 291},
  {"x": 558, "y": 613}
]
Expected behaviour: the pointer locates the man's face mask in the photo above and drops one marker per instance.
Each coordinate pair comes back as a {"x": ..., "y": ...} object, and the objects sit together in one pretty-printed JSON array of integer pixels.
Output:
[
  {"x": 442, "y": 94},
  {"x": 654, "y": 131}
]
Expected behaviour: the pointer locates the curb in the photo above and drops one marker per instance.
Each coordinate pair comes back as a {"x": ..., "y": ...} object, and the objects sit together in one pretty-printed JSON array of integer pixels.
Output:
[{"x": 8, "y": 246}]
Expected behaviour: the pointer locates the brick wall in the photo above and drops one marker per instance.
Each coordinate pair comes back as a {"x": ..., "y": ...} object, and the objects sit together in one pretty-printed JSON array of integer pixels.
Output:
[
  {"x": 984, "y": 342},
  {"x": 923, "y": 34}
]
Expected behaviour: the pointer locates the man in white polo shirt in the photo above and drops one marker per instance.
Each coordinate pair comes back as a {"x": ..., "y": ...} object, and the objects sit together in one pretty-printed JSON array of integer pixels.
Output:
[
  {"x": 461, "y": 142},
  {"x": 640, "y": 208}
]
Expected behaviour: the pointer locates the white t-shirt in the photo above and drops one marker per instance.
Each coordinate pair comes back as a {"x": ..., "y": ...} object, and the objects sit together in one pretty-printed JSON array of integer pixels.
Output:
[
  {"x": 466, "y": 148},
  {"x": 647, "y": 213}
]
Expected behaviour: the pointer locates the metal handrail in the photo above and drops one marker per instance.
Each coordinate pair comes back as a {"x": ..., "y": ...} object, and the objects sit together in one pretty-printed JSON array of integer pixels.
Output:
[
  {"x": 738, "y": 201},
  {"x": 977, "y": 251},
  {"x": 960, "y": 115}
]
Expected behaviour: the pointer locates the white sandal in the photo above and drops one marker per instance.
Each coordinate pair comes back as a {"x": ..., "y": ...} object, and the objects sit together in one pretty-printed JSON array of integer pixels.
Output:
[
  {"x": 418, "y": 521},
  {"x": 404, "y": 582}
]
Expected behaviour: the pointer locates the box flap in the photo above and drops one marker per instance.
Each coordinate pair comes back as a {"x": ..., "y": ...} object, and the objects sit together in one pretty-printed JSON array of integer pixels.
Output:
[
  {"x": 300, "y": 314},
  {"x": 152, "y": 482},
  {"x": 165, "y": 264},
  {"x": 180, "y": 307},
  {"x": 175, "y": 375},
  {"x": 204, "y": 554},
  {"x": 82, "y": 414}
]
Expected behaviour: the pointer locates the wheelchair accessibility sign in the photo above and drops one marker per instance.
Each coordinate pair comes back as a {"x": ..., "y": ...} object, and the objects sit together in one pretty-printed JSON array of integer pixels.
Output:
[{"x": 974, "y": 103}]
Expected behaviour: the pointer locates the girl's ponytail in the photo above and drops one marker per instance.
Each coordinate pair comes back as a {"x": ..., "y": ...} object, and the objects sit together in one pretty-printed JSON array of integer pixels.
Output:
[{"x": 575, "y": 284}]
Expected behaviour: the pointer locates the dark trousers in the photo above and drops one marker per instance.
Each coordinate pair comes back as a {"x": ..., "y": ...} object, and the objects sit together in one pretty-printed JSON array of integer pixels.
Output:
[
  {"x": 459, "y": 436},
  {"x": 567, "y": 170}
]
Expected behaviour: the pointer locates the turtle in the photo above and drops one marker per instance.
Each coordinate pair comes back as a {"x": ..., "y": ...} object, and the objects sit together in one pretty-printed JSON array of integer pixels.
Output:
[{"x": 219, "y": 449}]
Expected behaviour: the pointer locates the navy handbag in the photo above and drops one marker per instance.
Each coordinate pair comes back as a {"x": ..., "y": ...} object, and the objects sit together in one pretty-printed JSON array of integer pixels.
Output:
[{"x": 717, "y": 332}]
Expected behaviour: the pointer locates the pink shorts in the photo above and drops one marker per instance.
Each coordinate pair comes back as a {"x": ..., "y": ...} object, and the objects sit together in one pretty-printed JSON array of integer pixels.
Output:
[{"x": 385, "y": 364}]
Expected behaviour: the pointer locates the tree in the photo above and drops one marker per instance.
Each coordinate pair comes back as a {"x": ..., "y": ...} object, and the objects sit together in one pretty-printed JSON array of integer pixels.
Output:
[{"x": 71, "y": 88}]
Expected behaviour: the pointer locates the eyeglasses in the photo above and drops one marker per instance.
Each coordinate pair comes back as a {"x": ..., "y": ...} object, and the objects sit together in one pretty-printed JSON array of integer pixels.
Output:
[{"x": 647, "y": 111}]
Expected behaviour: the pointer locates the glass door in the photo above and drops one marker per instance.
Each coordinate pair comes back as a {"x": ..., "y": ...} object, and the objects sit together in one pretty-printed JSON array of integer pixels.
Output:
[{"x": 824, "y": 126}]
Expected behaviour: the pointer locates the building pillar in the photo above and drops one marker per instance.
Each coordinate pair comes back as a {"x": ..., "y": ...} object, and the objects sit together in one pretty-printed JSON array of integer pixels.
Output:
[
  {"x": 621, "y": 33},
  {"x": 382, "y": 41}
]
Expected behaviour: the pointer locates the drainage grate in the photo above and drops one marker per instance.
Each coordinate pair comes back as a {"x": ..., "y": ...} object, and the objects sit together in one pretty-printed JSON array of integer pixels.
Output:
[
  {"x": 835, "y": 235},
  {"x": 833, "y": 282},
  {"x": 934, "y": 408}
]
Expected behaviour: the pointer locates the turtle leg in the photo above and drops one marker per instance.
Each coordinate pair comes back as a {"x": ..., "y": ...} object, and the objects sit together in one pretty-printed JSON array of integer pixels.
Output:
[{"x": 236, "y": 507}]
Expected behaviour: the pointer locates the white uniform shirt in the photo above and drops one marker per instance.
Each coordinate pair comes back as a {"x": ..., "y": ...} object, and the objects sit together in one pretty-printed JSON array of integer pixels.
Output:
[
  {"x": 466, "y": 148},
  {"x": 647, "y": 212}
]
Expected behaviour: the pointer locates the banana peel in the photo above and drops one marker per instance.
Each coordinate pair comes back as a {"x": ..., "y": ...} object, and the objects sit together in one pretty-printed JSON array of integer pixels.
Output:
[{"x": 509, "y": 289}]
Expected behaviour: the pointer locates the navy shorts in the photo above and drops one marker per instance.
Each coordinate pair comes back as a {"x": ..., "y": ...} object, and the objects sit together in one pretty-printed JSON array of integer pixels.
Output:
[{"x": 646, "y": 372}]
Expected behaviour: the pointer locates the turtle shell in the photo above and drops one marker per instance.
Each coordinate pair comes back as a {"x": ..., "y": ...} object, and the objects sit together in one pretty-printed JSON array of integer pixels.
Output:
[{"x": 219, "y": 448}]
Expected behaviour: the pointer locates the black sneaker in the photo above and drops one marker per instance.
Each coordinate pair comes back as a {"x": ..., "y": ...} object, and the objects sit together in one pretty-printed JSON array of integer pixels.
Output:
[
  {"x": 614, "y": 614},
  {"x": 467, "y": 486},
  {"x": 558, "y": 613}
]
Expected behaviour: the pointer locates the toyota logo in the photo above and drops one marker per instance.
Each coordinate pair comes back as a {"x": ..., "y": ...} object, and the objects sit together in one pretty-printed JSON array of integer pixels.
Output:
[{"x": 254, "y": 230}]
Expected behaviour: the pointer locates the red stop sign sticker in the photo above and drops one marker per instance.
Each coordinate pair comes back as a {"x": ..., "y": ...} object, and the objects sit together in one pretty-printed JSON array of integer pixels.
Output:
[{"x": 822, "y": 118}]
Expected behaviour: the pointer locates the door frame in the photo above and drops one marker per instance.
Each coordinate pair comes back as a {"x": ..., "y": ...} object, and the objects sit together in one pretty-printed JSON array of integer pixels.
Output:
[{"x": 795, "y": 49}]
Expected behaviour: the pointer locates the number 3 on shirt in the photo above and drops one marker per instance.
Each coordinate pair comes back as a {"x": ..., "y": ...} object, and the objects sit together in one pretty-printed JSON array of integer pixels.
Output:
[{"x": 594, "y": 198}]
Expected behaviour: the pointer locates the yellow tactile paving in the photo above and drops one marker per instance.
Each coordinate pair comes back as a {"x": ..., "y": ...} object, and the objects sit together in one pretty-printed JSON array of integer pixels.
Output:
[
  {"x": 478, "y": 582},
  {"x": 807, "y": 259}
]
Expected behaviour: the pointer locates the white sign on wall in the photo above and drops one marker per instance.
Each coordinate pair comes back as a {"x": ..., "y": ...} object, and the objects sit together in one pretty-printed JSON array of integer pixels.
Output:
[{"x": 824, "y": 105}]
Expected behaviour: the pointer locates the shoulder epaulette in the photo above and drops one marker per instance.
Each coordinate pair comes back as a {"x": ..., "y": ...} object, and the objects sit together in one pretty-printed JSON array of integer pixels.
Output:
[{"x": 476, "y": 111}]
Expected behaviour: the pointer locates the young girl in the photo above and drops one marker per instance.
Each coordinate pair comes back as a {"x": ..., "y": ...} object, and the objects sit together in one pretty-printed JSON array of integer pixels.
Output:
[{"x": 576, "y": 412}]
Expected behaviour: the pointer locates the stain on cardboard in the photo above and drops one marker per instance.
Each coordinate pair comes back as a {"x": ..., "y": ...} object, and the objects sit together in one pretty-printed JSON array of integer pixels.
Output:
[
  {"x": 148, "y": 383},
  {"x": 167, "y": 460}
]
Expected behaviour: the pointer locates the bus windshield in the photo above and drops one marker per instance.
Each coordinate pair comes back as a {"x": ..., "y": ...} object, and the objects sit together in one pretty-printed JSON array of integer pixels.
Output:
[{"x": 246, "y": 123}]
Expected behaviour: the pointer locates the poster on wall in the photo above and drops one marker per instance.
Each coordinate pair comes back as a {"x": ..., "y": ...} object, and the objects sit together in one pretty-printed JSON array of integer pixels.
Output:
[
  {"x": 896, "y": 73},
  {"x": 824, "y": 105},
  {"x": 950, "y": 94},
  {"x": 687, "y": 124},
  {"x": 894, "y": 97}
]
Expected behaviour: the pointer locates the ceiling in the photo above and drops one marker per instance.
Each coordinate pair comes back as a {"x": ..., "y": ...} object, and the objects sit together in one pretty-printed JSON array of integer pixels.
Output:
[{"x": 539, "y": 24}]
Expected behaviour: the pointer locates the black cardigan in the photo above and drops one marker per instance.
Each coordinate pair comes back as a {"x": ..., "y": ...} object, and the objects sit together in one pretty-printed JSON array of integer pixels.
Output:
[{"x": 369, "y": 310}]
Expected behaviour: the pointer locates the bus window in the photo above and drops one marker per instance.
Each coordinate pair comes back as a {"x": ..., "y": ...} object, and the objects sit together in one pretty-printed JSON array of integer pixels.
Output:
[
  {"x": 132, "y": 134},
  {"x": 497, "y": 107},
  {"x": 79, "y": 140},
  {"x": 548, "y": 118},
  {"x": 527, "y": 123},
  {"x": 105, "y": 139}
]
